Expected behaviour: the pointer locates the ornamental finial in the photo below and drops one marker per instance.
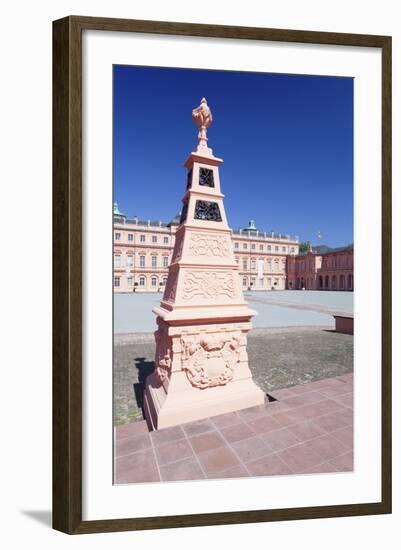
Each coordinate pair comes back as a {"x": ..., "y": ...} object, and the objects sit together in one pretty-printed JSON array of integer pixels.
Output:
[{"x": 202, "y": 116}]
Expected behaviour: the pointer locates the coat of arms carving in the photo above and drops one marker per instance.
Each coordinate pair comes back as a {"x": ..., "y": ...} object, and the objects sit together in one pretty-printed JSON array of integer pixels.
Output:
[{"x": 210, "y": 360}]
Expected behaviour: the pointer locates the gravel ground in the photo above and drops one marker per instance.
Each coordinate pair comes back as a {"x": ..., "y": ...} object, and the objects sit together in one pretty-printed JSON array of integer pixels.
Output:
[{"x": 278, "y": 358}]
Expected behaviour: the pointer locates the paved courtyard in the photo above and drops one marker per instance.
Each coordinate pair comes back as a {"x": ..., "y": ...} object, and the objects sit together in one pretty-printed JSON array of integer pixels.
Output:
[
  {"x": 307, "y": 429},
  {"x": 286, "y": 308}
]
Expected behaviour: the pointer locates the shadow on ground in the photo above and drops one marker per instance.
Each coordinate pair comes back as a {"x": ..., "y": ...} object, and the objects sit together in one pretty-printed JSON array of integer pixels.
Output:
[
  {"x": 40, "y": 516},
  {"x": 144, "y": 368}
]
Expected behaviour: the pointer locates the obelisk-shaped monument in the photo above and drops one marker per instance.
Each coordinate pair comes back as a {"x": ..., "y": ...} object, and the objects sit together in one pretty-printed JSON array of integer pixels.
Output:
[{"x": 201, "y": 363}]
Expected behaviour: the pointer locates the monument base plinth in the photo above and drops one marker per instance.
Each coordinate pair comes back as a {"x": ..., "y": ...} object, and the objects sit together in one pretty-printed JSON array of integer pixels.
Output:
[
  {"x": 200, "y": 371},
  {"x": 163, "y": 410}
]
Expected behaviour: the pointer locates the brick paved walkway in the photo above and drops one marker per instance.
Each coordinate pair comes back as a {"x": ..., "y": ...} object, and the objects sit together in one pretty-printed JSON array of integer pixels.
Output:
[{"x": 307, "y": 429}]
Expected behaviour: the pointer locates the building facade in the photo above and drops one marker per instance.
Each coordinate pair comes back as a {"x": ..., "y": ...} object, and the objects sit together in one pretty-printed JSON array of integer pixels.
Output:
[
  {"x": 143, "y": 251},
  {"x": 267, "y": 261},
  {"x": 322, "y": 268}
]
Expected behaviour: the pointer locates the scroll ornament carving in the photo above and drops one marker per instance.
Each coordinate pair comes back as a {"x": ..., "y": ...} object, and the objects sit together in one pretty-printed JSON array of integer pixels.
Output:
[
  {"x": 209, "y": 245},
  {"x": 163, "y": 355},
  {"x": 163, "y": 368},
  {"x": 210, "y": 360},
  {"x": 208, "y": 285}
]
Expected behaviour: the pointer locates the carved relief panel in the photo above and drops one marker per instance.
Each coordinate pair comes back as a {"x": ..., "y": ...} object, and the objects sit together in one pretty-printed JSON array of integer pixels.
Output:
[
  {"x": 207, "y": 244},
  {"x": 209, "y": 360},
  {"x": 209, "y": 285}
]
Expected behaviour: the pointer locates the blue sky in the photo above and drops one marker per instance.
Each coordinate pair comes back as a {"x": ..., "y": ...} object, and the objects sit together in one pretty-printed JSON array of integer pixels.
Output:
[{"x": 286, "y": 141}]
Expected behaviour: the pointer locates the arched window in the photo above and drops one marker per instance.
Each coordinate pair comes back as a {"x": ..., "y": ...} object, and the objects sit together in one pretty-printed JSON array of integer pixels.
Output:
[
  {"x": 153, "y": 282},
  {"x": 326, "y": 282},
  {"x": 342, "y": 282},
  {"x": 244, "y": 281},
  {"x": 334, "y": 282},
  {"x": 142, "y": 281},
  {"x": 350, "y": 282}
]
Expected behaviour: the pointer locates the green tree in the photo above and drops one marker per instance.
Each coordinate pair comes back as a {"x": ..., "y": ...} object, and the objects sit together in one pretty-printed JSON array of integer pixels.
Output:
[{"x": 304, "y": 247}]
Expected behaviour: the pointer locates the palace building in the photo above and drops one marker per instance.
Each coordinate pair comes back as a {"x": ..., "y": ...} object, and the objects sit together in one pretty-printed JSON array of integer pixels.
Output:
[
  {"x": 267, "y": 261},
  {"x": 322, "y": 268}
]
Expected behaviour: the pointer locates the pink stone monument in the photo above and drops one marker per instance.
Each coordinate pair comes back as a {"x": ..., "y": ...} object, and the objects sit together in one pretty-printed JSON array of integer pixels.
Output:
[{"x": 201, "y": 363}]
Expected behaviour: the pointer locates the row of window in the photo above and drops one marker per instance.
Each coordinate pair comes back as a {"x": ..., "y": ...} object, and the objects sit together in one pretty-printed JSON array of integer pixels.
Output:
[
  {"x": 326, "y": 283},
  {"x": 165, "y": 240},
  {"x": 269, "y": 262},
  {"x": 310, "y": 266},
  {"x": 331, "y": 262},
  {"x": 302, "y": 266},
  {"x": 165, "y": 262},
  {"x": 268, "y": 247},
  {"x": 337, "y": 261},
  {"x": 142, "y": 238},
  {"x": 142, "y": 282},
  {"x": 142, "y": 259},
  {"x": 253, "y": 283},
  {"x": 155, "y": 284}
]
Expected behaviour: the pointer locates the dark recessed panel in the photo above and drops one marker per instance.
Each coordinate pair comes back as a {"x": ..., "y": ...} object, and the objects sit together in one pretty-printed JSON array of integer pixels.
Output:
[
  {"x": 206, "y": 177},
  {"x": 208, "y": 211}
]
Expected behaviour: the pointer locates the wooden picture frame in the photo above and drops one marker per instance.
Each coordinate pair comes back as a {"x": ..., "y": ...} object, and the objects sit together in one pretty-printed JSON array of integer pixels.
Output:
[{"x": 67, "y": 273}]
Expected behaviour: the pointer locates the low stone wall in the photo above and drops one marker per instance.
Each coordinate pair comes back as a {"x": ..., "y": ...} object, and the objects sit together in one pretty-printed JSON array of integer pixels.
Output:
[{"x": 344, "y": 324}]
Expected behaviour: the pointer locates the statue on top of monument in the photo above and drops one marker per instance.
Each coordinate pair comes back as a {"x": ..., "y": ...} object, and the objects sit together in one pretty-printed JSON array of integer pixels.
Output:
[{"x": 202, "y": 116}]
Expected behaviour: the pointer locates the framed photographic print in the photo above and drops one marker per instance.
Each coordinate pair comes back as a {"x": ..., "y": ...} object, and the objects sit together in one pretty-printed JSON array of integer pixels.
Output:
[{"x": 222, "y": 274}]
